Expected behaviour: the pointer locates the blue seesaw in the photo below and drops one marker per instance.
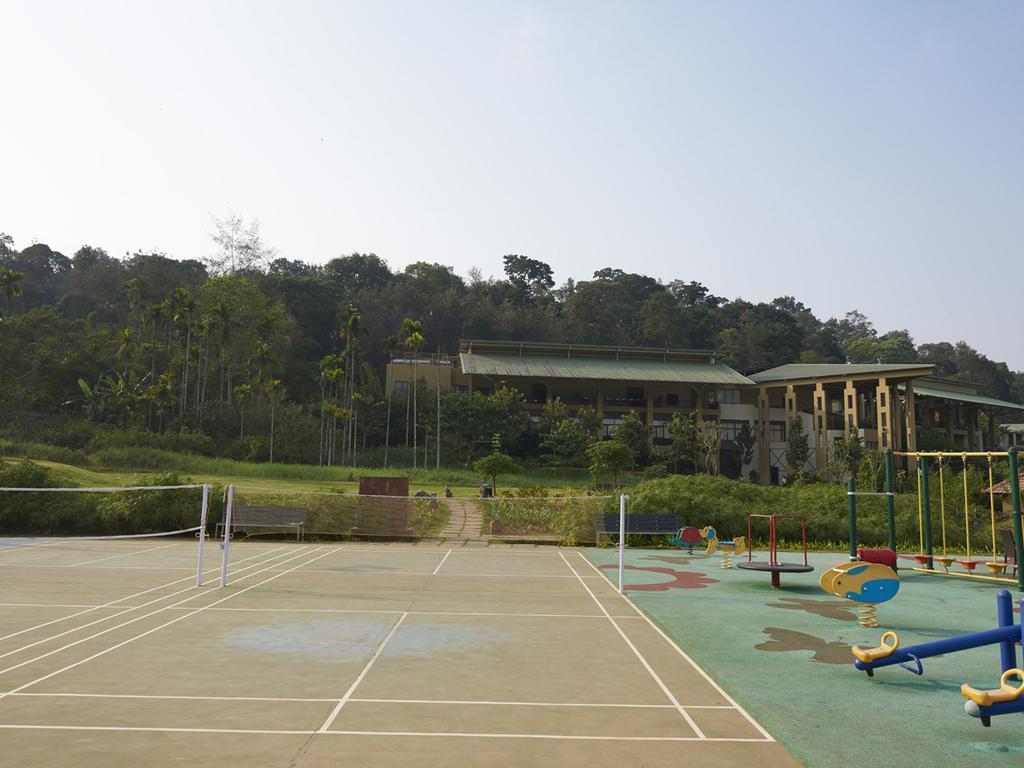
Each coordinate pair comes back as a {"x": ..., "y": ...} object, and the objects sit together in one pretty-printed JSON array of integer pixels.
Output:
[{"x": 983, "y": 704}]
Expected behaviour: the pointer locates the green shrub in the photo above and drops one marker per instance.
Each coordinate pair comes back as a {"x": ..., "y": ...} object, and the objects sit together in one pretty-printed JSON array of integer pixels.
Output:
[{"x": 43, "y": 514}]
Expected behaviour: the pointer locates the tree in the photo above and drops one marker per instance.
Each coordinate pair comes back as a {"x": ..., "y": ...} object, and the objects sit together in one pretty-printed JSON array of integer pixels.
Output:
[
  {"x": 843, "y": 458},
  {"x": 272, "y": 388},
  {"x": 797, "y": 448},
  {"x": 610, "y": 457},
  {"x": 564, "y": 444},
  {"x": 496, "y": 463},
  {"x": 531, "y": 280},
  {"x": 413, "y": 339},
  {"x": 10, "y": 284},
  {"x": 633, "y": 433},
  {"x": 746, "y": 440},
  {"x": 390, "y": 345},
  {"x": 682, "y": 431},
  {"x": 710, "y": 435},
  {"x": 239, "y": 246}
]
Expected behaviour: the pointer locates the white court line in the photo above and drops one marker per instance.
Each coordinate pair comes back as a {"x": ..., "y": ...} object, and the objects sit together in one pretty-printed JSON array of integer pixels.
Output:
[
  {"x": 48, "y": 605},
  {"x": 446, "y": 556},
  {"x": 561, "y": 736},
  {"x": 112, "y": 604},
  {"x": 685, "y": 656},
  {"x": 125, "y": 554},
  {"x": 470, "y": 702},
  {"x": 123, "y": 623},
  {"x": 636, "y": 651},
  {"x": 418, "y": 734},
  {"x": 301, "y": 700},
  {"x": 154, "y": 629},
  {"x": 396, "y": 611},
  {"x": 349, "y": 571},
  {"x": 102, "y": 567},
  {"x": 355, "y": 683}
]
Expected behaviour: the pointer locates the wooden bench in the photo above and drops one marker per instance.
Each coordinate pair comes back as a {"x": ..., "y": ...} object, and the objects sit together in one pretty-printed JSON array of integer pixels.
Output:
[
  {"x": 245, "y": 518},
  {"x": 650, "y": 525}
]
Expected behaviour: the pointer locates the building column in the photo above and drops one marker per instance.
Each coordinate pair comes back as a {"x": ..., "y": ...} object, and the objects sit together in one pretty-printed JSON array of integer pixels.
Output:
[
  {"x": 851, "y": 413},
  {"x": 648, "y": 391},
  {"x": 897, "y": 420},
  {"x": 791, "y": 410},
  {"x": 699, "y": 405},
  {"x": 950, "y": 416},
  {"x": 971, "y": 417},
  {"x": 910, "y": 422},
  {"x": 600, "y": 405},
  {"x": 820, "y": 430},
  {"x": 883, "y": 415},
  {"x": 991, "y": 432},
  {"x": 764, "y": 472}
]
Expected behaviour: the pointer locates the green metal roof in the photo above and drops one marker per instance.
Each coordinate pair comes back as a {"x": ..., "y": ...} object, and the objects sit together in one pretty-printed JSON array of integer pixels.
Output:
[
  {"x": 825, "y": 370},
  {"x": 963, "y": 397},
  {"x": 551, "y": 367}
]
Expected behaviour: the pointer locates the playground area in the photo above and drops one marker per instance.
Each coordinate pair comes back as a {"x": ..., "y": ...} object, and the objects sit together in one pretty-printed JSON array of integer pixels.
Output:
[
  {"x": 371, "y": 654},
  {"x": 786, "y": 655}
]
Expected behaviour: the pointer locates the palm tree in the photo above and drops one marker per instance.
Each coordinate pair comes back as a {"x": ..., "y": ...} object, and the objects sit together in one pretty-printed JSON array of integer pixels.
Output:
[
  {"x": 390, "y": 345},
  {"x": 412, "y": 332},
  {"x": 350, "y": 331},
  {"x": 272, "y": 388},
  {"x": 10, "y": 283},
  {"x": 182, "y": 306}
]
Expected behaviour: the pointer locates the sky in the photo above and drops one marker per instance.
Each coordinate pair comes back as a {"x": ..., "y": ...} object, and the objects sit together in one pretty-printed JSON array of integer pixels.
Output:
[{"x": 862, "y": 155}]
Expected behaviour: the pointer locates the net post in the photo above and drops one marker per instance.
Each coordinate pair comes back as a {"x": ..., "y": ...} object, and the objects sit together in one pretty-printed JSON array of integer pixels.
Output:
[
  {"x": 926, "y": 510},
  {"x": 1018, "y": 533},
  {"x": 202, "y": 534},
  {"x": 227, "y": 536},
  {"x": 851, "y": 506},
  {"x": 622, "y": 539},
  {"x": 890, "y": 500}
]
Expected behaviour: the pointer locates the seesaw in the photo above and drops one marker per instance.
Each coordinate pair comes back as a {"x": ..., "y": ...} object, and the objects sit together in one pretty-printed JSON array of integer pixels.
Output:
[{"x": 983, "y": 704}]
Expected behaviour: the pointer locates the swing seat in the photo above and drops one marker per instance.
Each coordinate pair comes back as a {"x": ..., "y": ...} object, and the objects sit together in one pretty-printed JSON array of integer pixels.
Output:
[
  {"x": 869, "y": 655},
  {"x": 995, "y": 568},
  {"x": 922, "y": 559},
  {"x": 945, "y": 561},
  {"x": 970, "y": 565},
  {"x": 1004, "y": 693}
]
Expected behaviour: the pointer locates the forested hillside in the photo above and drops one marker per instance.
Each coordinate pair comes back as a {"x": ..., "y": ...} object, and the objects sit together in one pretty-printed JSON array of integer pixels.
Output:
[{"x": 249, "y": 355}]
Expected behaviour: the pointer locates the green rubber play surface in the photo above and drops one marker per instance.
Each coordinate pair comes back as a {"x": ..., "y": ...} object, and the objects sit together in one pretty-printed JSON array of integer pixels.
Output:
[{"x": 785, "y": 656}]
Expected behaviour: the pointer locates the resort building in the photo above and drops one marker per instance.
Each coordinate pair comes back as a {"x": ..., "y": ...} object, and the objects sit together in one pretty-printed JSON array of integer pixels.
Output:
[{"x": 888, "y": 406}]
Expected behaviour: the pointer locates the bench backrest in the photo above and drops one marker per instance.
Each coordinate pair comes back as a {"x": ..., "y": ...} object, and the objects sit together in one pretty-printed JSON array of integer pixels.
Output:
[
  {"x": 245, "y": 515},
  {"x": 658, "y": 523}
]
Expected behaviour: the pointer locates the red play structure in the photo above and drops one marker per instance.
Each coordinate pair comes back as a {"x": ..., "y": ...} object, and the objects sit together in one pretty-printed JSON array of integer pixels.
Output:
[{"x": 773, "y": 566}]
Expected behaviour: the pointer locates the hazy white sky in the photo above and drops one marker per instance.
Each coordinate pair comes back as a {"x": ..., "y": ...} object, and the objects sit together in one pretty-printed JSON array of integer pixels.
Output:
[{"x": 857, "y": 154}]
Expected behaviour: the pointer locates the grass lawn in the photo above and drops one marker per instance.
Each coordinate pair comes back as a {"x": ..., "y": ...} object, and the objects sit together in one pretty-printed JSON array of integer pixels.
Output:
[{"x": 284, "y": 477}]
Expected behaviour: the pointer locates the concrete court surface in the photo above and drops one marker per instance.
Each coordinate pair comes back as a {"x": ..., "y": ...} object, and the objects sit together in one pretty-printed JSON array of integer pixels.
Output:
[{"x": 356, "y": 654}]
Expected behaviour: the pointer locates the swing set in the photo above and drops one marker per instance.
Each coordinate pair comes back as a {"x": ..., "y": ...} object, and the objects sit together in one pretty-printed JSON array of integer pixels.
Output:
[{"x": 925, "y": 557}]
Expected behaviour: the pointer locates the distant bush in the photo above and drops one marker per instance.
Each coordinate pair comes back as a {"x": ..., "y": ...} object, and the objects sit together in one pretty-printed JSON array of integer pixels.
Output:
[
  {"x": 152, "y": 511},
  {"x": 44, "y": 514},
  {"x": 702, "y": 500}
]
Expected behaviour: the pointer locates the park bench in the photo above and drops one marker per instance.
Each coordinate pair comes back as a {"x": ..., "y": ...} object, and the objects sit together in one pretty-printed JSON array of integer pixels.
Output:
[
  {"x": 651, "y": 525},
  {"x": 246, "y": 518}
]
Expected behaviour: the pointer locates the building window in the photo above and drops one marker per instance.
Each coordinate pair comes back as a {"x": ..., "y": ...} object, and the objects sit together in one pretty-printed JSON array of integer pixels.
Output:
[
  {"x": 609, "y": 424},
  {"x": 658, "y": 430},
  {"x": 671, "y": 399},
  {"x": 401, "y": 387},
  {"x": 777, "y": 431},
  {"x": 731, "y": 429},
  {"x": 460, "y": 389},
  {"x": 729, "y": 396}
]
